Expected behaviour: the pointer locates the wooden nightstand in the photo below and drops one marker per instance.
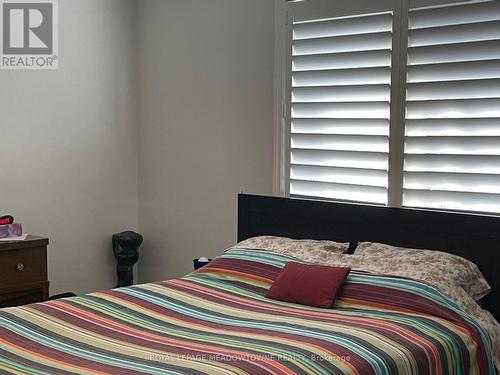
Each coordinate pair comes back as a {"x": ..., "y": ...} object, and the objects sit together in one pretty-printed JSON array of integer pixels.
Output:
[{"x": 23, "y": 271}]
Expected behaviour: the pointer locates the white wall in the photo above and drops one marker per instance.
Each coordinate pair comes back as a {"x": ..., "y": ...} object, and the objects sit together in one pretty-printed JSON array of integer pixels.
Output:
[
  {"x": 206, "y": 124},
  {"x": 70, "y": 140},
  {"x": 69, "y": 143}
]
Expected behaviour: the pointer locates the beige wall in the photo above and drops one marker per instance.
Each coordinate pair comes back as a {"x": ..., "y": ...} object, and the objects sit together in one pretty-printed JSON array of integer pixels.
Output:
[
  {"x": 200, "y": 110},
  {"x": 206, "y": 124},
  {"x": 69, "y": 142}
]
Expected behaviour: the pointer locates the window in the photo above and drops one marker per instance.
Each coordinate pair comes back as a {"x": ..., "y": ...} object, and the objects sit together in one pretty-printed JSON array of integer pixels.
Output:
[
  {"x": 340, "y": 108},
  {"x": 452, "y": 142},
  {"x": 393, "y": 106}
]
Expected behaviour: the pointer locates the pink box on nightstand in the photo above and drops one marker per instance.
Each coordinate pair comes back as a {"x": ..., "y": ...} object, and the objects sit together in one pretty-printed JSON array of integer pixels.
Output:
[{"x": 11, "y": 230}]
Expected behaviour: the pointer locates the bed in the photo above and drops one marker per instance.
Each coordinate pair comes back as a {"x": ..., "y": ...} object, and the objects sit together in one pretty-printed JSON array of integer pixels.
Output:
[{"x": 217, "y": 320}]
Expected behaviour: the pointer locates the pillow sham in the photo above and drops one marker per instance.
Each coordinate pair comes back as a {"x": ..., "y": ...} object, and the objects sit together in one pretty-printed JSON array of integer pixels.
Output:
[
  {"x": 431, "y": 265},
  {"x": 311, "y": 285},
  {"x": 415, "y": 270},
  {"x": 308, "y": 250}
]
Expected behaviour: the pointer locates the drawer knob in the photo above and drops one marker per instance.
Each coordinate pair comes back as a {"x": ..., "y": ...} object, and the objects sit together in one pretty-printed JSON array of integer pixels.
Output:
[{"x": 20, "y": 266}]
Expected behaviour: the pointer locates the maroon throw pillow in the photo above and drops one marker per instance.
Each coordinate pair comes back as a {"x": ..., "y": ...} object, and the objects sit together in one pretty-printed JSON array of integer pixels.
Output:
[{"x": 308, "y": 284}]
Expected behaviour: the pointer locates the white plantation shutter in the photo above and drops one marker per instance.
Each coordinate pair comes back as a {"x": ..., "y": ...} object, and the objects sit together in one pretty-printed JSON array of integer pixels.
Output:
[
  {"x": 394, "y": 106},
  {"x": 452, "y": 129},
  {"x": 340, "y": 108}
]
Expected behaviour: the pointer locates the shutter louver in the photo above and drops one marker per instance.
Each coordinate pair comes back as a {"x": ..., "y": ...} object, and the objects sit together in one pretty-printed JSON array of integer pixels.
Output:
[
  {"x": 452, "y": 129},
  {"x": 340, "y": 108}
]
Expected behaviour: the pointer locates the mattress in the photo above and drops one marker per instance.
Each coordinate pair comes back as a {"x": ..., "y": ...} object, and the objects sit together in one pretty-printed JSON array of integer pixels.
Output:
[{"x": 217, "y": 320}]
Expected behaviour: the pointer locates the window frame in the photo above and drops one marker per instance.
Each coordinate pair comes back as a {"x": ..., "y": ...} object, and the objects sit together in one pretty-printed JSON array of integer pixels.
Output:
[{"x": 285, "y": 14}]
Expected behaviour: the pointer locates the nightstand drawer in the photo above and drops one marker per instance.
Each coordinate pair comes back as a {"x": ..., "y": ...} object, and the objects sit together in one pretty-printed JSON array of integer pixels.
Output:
[
  {"x": 23, "y": 266},
  {"x": 19, "y": 296}
]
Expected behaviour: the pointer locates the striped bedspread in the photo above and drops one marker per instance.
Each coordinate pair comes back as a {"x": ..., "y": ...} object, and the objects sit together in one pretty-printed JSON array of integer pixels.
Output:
[{"x": 217, "y": 321}]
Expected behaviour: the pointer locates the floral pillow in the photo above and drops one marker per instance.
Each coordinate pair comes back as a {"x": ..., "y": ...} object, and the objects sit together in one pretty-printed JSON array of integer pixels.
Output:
[
  {"x": 314, "y": 251},
  {"x": 414, "y": 269},
  {"x": 430, "y": 265}
]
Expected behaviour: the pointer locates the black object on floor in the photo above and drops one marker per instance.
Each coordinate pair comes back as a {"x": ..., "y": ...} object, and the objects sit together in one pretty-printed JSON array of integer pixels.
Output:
[
  {"x": 62, "y": 295},
  {"x": 126, "y": 249}
]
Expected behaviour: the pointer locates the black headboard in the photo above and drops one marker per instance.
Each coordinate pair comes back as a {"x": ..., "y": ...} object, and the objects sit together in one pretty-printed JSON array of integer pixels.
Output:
[{"x": 474, "y": 237}]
